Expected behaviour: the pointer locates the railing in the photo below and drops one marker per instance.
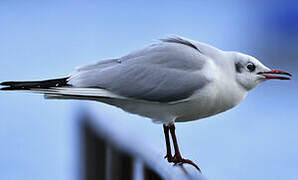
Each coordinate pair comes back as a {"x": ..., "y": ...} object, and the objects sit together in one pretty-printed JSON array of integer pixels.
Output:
[{"x": 112, "y": 154}]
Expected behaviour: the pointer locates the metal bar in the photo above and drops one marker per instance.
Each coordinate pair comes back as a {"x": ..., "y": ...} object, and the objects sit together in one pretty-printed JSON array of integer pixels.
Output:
[{"x": 94, "y": 155}]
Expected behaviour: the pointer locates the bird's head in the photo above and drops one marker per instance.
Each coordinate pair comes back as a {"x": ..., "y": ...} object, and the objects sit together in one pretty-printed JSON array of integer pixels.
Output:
[{"x": 250, "y": 72}]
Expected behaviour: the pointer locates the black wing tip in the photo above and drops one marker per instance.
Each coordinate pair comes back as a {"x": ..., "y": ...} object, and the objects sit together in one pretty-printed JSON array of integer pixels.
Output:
[
  {"x": 12, "y": 88},
  {"x": 6, "y": 83},
  {"x": 9, "y": 85},
  {"x": 28, "y": 85}
]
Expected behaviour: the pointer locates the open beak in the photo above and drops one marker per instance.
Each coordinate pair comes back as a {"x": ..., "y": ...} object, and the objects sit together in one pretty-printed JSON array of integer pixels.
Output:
[{"x": 275, "y": 71}]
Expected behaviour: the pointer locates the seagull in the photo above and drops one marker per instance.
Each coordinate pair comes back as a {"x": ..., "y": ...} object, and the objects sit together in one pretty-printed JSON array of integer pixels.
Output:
[{"x": 173, "y": 80}]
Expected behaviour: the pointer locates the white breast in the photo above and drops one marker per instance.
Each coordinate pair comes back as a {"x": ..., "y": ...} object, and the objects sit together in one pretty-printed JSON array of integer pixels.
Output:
[{"x": 216, "y": 97}]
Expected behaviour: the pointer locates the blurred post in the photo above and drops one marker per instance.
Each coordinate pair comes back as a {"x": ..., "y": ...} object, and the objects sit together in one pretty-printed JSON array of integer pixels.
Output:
[{"x": 114, "y": 152}]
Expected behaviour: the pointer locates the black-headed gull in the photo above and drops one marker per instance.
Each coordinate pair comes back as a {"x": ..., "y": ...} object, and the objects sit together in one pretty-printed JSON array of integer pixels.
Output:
[{"x": 174, "y": 80}]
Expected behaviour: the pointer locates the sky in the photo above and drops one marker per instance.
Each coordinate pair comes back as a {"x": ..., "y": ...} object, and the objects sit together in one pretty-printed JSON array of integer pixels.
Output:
[{"x": 47, "y": 39}]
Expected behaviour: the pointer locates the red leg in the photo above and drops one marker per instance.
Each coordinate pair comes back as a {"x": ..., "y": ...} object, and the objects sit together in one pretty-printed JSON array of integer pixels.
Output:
[
  {"x": 177, "y": 157},
  {"x": 169, "y": 156}
]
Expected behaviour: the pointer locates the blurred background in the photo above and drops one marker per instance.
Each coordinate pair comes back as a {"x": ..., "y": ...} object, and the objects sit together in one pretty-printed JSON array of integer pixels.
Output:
[{"x": 46, "y": 39}]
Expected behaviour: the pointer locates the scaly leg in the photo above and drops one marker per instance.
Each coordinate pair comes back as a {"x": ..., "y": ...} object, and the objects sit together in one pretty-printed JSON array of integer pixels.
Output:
[{"x": 169, "y": 156}]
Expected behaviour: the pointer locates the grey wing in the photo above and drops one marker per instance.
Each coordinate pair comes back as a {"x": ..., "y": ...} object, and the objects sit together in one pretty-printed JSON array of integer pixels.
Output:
[{"x": 164, "y": 72}]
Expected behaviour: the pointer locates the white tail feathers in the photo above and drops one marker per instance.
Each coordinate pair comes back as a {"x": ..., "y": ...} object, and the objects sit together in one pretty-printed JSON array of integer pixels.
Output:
[{"x": 76, "y": 93}]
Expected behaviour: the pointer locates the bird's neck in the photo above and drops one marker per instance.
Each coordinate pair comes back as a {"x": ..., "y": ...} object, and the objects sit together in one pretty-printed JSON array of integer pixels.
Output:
[{"x": 230, "y": 94}]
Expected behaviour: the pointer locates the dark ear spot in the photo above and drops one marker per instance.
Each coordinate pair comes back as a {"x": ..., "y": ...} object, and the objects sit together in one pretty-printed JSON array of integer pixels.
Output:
[{"x": 238, "y": 67}]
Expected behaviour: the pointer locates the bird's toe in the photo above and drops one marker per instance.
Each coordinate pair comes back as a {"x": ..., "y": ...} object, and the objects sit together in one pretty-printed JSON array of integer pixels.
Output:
[
  {"x": 169, "y": 158},
  {"x": 179, "y": 160}
]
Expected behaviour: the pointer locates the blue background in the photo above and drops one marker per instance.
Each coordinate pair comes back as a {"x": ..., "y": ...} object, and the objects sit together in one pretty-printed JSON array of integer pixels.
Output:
[{"x": 47, "y": 39}]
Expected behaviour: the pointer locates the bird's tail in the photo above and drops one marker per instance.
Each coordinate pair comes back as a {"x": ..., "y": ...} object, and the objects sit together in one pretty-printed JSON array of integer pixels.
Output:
[
  {"x": 31, "y": 85},
  {"x": 59, "y": 89}
]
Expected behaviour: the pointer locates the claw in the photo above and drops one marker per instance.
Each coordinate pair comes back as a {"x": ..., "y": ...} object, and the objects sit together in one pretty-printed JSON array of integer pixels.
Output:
[
  {"x": 169, "y": 158},
  {"x": 179, "y": 160}
]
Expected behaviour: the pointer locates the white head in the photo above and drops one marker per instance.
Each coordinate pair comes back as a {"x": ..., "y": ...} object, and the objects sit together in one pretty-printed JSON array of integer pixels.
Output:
[{"x": 250, "y": 72}]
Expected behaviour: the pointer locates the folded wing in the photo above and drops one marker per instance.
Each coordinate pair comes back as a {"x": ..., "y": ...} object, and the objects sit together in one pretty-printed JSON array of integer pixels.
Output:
[{"x": 162, "y": 72}]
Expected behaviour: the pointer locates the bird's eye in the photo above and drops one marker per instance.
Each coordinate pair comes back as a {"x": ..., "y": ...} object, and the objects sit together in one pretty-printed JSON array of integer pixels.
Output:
[{"x": 251, "y": 67}]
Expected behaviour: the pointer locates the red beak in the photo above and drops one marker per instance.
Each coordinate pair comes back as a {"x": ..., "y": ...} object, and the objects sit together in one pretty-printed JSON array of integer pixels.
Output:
[{"x": 275, "y": 71}]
